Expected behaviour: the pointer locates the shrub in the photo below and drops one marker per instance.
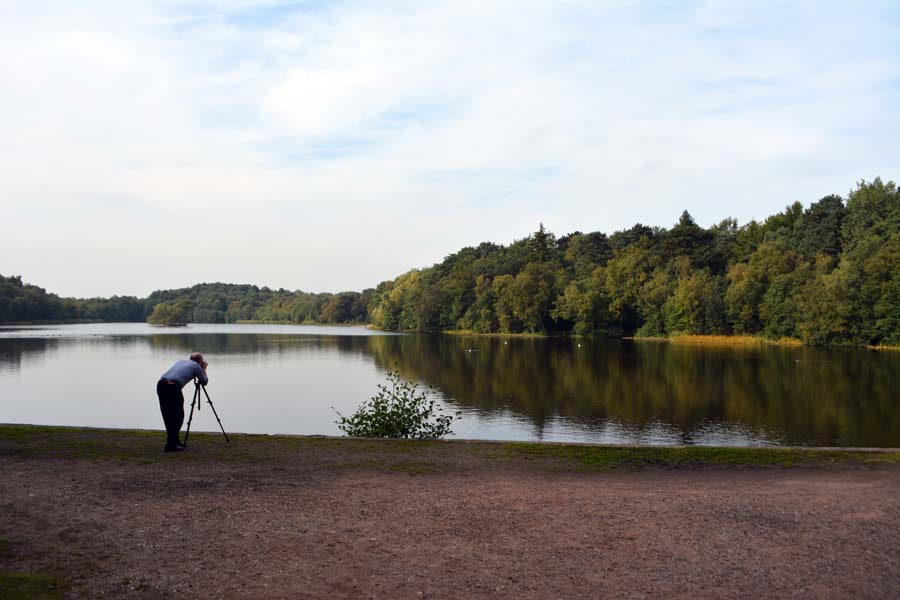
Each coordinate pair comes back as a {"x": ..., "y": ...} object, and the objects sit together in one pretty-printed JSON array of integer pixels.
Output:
[{"x": 398, "y": 410}]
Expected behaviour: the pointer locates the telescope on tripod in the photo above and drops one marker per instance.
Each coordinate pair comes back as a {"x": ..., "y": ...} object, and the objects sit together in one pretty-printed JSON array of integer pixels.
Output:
[{"x": 197, "y": 400}]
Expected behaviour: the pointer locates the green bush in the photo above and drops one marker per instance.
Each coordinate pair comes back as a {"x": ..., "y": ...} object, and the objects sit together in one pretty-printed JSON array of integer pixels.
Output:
[{"x": 398, "y": 410}]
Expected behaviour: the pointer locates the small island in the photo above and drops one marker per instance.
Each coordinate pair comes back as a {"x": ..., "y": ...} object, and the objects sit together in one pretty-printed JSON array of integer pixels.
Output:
[{"x": 170, "y": 314}]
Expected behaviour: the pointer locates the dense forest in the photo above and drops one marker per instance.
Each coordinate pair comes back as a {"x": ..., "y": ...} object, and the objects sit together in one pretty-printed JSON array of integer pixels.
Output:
[{"x": 828, "y": 274}]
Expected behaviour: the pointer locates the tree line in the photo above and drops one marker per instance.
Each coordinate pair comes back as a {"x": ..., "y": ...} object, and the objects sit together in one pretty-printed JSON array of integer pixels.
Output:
[
  {"x": 202, "y": 303},
  {"x": 828, "y": 274},
  {"x": 22, "y": 302}
]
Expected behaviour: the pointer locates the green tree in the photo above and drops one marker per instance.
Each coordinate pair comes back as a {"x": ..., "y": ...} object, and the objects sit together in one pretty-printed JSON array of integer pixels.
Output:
[
  {"x": 481, "y": 317},
  {"x": 780, "y": 309},
  {"x": 627, "y": 274},
  {"x": 747, "y": 239},
  {"x": 882, "y": 285},
  {"x": 170, "y": 313},
  {"x": 781, "y": 226},
  {"x": 687, "y": 238},
  {"x": 531, "y": 294},
  {"x": 725, "y": 236},
  {"x": 620, "y": 240},
  {"x": 826, "y": 306},
  {"x": 697, "y": 305},
  {"x": 585, "y": 304},
  {"x": 873, "y": 209},
  {"x": 750, "y": 282},
  {"x": 393, "y": 308},
  {"x": 586, "y": 252},
  {"x": 818, "y": 231},
  {"x": 652, "y": 298},
  {"x": 502, "y": 287},
  {"x": 541, "y": 245}
]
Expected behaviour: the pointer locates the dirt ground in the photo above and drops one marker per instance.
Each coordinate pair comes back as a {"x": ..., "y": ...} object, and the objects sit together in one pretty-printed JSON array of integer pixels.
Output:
[{"x": 328, "y": 520}]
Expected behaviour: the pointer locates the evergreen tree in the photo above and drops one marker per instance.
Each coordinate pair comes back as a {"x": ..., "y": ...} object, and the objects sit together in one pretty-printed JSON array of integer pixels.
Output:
[{"x": 541, "y": 245}]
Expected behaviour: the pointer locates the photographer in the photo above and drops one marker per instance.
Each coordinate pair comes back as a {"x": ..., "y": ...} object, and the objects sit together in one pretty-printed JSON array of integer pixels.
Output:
[{"x": 171, "y": 401}]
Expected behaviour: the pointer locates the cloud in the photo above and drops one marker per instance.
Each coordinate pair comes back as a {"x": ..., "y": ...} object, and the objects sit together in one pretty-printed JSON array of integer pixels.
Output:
[{"x": 328, "y": 146}]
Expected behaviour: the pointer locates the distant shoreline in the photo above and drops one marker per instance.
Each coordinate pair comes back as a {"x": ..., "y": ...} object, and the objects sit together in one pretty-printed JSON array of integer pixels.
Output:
[
  {"x": 309, "y": 324},
  {"x": 52, "y": 322},
  {"x": 722, "y": 341},
  {"x": 692, "y": 340}
]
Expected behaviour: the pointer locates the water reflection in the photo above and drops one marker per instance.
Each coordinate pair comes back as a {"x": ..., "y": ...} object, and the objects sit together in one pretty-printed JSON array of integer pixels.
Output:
[
  {"x": 588, "y": 390},
  {"x": 774, "y": 394}
]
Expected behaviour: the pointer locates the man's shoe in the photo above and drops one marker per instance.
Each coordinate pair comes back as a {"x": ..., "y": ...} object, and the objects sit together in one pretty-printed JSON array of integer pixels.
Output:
[{"x": 175, "y": 448}]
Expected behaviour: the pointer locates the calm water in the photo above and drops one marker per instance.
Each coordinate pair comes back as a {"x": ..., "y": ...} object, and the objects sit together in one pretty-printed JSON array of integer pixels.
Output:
[{"x": 288, "y": 379}]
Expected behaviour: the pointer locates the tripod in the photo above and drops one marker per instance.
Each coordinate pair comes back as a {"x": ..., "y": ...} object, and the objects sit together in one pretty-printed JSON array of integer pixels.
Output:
[{"x": 196, "y": 400}]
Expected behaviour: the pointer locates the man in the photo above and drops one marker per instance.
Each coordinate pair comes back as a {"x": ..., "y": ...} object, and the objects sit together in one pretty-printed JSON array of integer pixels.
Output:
[{"x": 171, "y": 401}]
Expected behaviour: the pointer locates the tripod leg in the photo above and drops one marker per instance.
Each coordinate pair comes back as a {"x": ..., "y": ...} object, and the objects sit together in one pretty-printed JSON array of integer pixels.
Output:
[
  {"x": 194, "y": 400},
  {"x": 215, "y": 413}
]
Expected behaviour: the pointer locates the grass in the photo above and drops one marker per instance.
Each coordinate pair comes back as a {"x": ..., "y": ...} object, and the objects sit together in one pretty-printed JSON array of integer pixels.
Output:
[
  {"x": 740, "y": 341},
  {"x": 329, "y": 453},
  {"x": 15, "y": 585},
  {"x": 469, "y": 332},
  {"x": 145, "y": 447},
  {"x": 289, "y": 322},
  {"x": 30, "y": 586},
  {"x": 884, "y": 347},
  {"x": 727, "y": 340},
  {"x": 696, "y": 340},
  {"x": 605, "y": 458},
  {"x": 415, "y": 467}
]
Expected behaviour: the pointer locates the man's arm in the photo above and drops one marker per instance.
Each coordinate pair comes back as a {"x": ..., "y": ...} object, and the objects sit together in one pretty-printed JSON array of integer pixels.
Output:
[{"x": 202, "y": 377}]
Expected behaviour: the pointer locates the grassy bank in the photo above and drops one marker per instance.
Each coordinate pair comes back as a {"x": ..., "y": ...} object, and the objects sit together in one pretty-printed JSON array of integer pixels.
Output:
[
  {"x": 145, "y": 447},
  {"x": 39, "y": 323},
  {"x": 469, "y": 332},
  {"x": 722, "y": 340},
  {"x": 747, "y": 341},
  {"x": 692, "y": 340},
  {"x": 306, "y": 323},
  {"x": 884, "y": 347},
  {"x": 711, "y": 341}
]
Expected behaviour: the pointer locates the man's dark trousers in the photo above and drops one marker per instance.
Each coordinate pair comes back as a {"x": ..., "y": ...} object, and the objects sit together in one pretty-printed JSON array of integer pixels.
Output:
[{"x": 171, "y": 405}]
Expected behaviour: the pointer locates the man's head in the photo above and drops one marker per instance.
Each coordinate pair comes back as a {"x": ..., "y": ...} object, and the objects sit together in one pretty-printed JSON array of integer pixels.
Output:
[{"x": 197, "y": 358}]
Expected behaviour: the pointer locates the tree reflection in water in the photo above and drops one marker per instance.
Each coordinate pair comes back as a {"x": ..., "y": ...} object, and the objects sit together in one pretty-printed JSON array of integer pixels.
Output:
[
  {"x": 645, "y": 392},
  {"x": 786, "y": 395}
]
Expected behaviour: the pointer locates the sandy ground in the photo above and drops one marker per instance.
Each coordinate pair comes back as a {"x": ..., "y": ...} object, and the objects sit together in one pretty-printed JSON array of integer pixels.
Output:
[{"x": 332, "y": 522}]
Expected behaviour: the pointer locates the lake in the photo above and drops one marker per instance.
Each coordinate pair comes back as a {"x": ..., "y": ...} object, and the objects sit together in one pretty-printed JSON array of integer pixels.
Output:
[{"x": 291, "y": 379}]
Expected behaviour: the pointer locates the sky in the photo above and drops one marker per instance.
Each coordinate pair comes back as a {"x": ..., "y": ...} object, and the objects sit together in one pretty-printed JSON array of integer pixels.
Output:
[{"x": 328, "y": 146}]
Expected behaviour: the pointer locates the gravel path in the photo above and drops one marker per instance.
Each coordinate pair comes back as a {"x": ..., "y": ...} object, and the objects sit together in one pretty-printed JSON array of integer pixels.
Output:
[{"x": 459, "y": 525}]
